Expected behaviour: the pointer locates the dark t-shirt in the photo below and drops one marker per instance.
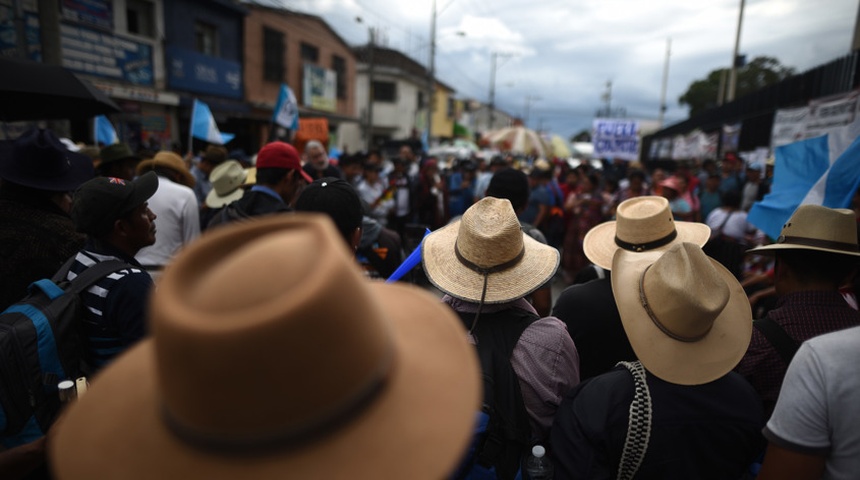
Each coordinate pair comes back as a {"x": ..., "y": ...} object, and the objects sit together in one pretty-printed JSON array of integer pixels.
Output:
[
  {"x": 592, "y": 319},
  {"x": 710, "y": 431}
]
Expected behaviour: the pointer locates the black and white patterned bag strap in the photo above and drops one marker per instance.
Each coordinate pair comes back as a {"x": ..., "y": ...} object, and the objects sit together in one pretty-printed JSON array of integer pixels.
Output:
[{"x": 639, "y": 428}]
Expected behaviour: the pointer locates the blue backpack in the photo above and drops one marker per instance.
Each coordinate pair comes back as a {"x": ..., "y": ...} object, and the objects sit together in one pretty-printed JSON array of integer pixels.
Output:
[{"x": 41, "y": 345}]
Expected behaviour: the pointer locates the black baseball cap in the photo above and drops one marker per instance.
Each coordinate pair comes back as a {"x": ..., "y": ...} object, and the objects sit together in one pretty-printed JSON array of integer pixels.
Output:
[{"x": 100, "y": 202}]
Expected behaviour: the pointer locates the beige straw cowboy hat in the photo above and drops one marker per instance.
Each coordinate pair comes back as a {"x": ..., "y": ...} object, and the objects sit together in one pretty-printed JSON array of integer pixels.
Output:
[
  {"x": 272, "y": 356},
  {"x": 168, "y": 160},
  {"x": 487, "y": 244},
  {"x": 687, "y": 317},
  {"x": 642, "y": 224},
  {"x": 813, "y": 227},
  {"x": 227, "y": 180}
]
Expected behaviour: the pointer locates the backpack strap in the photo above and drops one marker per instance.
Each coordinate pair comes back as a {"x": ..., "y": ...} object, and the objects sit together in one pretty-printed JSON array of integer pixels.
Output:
[
  {"x": 639, "y": 426},
  {"x": 785, "y": 346},
  {"x": 91, "y": 275}
]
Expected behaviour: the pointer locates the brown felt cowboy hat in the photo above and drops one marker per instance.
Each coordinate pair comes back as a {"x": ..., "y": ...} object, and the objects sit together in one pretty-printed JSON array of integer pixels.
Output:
[
  {"x": 253, "y": 371},
  {"x": 686, "y": 316},
  {"x": 171, "y": 160},
  {"x": 642, "y": 224},
  {"x": 487, "y": 243},
  {"x": 813, "y": 227}
]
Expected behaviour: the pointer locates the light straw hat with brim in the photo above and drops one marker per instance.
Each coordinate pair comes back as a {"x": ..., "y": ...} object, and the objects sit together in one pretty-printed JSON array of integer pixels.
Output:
[
  {"x": 686, "y": 316},
  {"x": 642, "y": 224},
  {"x": 271, "y": 356},
  {"x": 169, "y": 160},
  {"x": 251, "y": 179},
  {"x": 488, "y": 238},
  {"x": 227, "y": 180},
  {"x": 813, "y": 227}
]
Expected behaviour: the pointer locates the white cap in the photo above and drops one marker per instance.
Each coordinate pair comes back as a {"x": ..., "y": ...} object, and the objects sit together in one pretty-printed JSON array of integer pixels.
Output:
[{"x": 538, "y": 451}]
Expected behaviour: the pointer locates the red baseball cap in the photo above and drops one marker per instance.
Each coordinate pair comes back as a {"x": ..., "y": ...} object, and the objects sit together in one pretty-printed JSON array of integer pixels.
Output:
[{"x": 281, "y": 155}]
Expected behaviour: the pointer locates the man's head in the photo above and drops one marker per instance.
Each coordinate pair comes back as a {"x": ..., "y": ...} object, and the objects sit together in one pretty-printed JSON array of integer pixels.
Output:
[
  {"x": 118, "y": 161},
  {"x": 315, "y": 155},
  {"x": 170, "y": 165},
  {"x": 213, "y": 156},
  {"x": 712, "y": 183},
  {"x": 279, "y": 168},
  {"x": 407, "y": 154},
  {"x": 817, "y": 249},
  {"x": 115, "y": 211},
  {"x": 337, "y": 199},
  {"x": 511, "y": 184},
  {"x": 352, "y": 166}
]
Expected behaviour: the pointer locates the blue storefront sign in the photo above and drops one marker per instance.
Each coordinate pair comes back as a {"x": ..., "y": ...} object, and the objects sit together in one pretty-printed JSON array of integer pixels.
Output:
[
  {"x": 97, "y": 13},
  {"x": 105, "y": 55},
  {"x": 194, "y": 72}
]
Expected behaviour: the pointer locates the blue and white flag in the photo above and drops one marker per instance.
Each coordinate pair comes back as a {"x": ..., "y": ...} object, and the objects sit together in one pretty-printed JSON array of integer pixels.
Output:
[
  {"x": 820, "y": 171},
  {"x": 286, "y": 112},
  {"x": 203, "y": 125},
  {"x": 104, "y": 131}
]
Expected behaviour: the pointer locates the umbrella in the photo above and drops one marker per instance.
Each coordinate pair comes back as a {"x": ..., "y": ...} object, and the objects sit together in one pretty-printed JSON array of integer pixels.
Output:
[
  {"x": 518, "y": 139},
  {"x": 36, "y": 91},
  {"x": 559, "y": 146}
]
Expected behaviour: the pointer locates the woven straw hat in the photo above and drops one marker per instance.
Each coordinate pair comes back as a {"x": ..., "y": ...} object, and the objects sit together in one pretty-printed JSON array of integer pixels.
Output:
[
  {"x": 227, "y": 180},
  {"x": 642, "y": 224},
  {"x": 487, "y": 238},
  {"x": 687, "y": 317},
  {"x": 253, "y": 371},
  {"x": 813, "y": 227},
  {"x": 169, "y": 160}
]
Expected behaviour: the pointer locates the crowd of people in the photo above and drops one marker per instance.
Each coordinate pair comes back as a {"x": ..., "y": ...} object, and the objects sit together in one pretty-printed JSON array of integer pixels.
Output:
[{"x": 240, "y": 337}]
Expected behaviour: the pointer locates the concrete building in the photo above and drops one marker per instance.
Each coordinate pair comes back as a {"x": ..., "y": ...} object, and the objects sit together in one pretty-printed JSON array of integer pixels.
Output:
[{"x": 301, "y": 50}]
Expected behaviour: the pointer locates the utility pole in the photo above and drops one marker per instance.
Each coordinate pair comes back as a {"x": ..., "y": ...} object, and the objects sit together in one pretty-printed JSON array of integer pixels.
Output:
[
  {"x": 733, "y": 75},
  {"x": 529, "y": 100},
  {"x": 492, "y": 91},
  {"x": 607, "y": 97},
  {"x": 431, "y": 86},
  {"x": 368, "y": 134},
  {"x": 665, "y": 82}
]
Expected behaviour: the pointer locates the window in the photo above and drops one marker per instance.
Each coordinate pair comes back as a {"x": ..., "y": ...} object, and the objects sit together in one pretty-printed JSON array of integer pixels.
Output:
[
  {"x": 273, "y": 55},
  {"x": 140, "y": 17},
  {"x": 310, "y": 53},
  {"x": 421, "y": 102},
  {"x": 452, "y": 107},
  {"x": 206, "y": 39},
  {"x": 338, "y": 64},
  {"x": 385, "y": 92}
]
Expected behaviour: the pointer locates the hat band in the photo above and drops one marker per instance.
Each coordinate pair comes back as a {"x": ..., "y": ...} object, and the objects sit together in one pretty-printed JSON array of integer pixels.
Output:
[
  {"x": 644, "y": 300},
  {"x": 488, "y": 270},
  {"x": 642, "y": 247},
  {"x": 290, "y": 437},
  {"x": 815, "y": 242}
]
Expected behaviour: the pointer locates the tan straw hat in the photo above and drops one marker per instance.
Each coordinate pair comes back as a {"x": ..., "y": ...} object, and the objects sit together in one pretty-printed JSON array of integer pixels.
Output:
[
  {"x": 169, "y": 160},
  {"x": 227, "y": 180},
  {"x": 687, "y": 317},
  {"x": 813, "y": 227},
  {"x": 487, "y": 239},
  {"x": 253, "y": 371},
  {"x": 642, "y": 224}
]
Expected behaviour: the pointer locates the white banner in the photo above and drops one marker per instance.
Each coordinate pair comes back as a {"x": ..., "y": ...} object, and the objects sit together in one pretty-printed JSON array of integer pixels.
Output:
[
  {"x": 831, "y": 113},
  {"x": 616, "y": 138},
  {"x": 789, "y": 126}
]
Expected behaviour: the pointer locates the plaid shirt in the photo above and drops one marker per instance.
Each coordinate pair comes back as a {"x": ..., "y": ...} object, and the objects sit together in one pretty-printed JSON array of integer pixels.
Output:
[
  {"x": 545, "y": 361},
  {"x": 802, "y": 315}
]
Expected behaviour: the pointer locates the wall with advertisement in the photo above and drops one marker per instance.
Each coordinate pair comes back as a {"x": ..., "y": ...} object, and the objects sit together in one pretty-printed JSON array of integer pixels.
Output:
[
  {"x": 106, "y": 55},
  {"x": 194, "y": 72},
  {"x": 96, "y": 13},
  {"x": 319, "y": 88},
  {"x": 9, "y": 35}
]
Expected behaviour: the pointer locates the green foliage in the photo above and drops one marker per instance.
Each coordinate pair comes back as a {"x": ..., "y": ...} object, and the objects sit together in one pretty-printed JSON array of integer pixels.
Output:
[
  {"x": 583, "y": 136},
  {"x": 755, "y": 75}
]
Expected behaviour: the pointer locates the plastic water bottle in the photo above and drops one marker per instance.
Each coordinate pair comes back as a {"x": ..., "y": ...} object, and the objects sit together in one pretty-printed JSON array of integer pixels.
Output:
[{"x": 538, "y": 467}]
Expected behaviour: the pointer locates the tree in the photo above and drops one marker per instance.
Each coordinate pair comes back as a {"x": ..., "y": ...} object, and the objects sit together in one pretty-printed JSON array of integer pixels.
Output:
[
  {"x": 755, "y": 75},
  {"x": 584, "y": 135}
]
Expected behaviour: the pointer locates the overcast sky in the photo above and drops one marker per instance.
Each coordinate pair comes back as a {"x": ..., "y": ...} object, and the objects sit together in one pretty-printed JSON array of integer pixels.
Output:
[{"x": 563, "y": 52}]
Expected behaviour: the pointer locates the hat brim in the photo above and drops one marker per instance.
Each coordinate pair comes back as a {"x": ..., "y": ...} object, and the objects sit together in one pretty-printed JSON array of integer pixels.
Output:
[
  {"x": 599, "y": 243},
  {"x": 419, "y": 427},
  {"x": 773, "y": 248},
  {"x": 445, "y": 272},
  {"x": 186, "y": 179},
  {"x": 682, "y": 363},
  {"x": 213, "y": 200},
  {"x": 80, "y": 170}
]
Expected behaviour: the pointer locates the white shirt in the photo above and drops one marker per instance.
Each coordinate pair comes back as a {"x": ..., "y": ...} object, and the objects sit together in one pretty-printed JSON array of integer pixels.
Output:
[
  {"x": 736, "y": 226},
  {"x": 177, "y": 222},
  {"x": 816, "y": 412}
]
